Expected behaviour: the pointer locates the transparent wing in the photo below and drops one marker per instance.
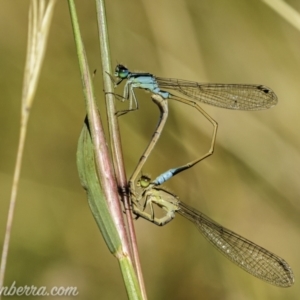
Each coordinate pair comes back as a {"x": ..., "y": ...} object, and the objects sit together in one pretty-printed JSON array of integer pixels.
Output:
[
  {"x": 231, "y": 96},
  {"x": 247, "y": 255}
]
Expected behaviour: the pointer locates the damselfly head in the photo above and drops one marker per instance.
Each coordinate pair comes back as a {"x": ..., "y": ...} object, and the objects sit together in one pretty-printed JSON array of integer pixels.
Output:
[
  {"x": 121, "y": 71},
  {"x": 144, "y": 181}
]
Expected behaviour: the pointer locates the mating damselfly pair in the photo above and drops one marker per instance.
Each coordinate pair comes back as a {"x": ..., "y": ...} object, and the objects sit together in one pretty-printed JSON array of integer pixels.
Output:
[{"x": 146, "y": 193}]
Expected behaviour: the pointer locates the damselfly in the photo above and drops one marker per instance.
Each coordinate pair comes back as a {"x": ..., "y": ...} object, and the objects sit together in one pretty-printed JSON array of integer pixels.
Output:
[
  {"x": 247, "y": 255},
  {"x": 230, "y": 96}
]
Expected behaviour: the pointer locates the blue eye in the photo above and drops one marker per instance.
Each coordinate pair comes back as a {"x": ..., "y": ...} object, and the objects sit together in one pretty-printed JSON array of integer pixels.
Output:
[{"x": 121, "y": 72}]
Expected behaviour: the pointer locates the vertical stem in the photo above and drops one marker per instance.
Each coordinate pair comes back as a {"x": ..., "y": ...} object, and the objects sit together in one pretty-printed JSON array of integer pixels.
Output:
[
  {"x": 39, "y": 21},
  {"x": 13, "y": 199},
  {"x": 103, "y": 164},
  {"x": 115, "y": 140}
]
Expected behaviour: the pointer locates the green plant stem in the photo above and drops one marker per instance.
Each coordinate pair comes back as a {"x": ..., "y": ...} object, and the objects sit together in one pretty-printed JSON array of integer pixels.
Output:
[
  {"x": 115, "y": 139},
  {"x": 104, "y": 170}
]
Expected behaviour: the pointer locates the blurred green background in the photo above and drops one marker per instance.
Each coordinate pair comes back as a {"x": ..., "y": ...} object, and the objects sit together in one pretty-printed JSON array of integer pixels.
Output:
[{"x": 251, "y": 184}]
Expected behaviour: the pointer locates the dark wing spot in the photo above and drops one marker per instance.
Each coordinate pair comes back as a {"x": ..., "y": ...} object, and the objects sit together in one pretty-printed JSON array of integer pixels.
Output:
[{"x": 264, "y": 89}]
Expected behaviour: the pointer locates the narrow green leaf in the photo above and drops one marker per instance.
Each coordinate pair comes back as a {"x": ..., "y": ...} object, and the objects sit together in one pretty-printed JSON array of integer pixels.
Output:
[{"x": 90, "y": 182}]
